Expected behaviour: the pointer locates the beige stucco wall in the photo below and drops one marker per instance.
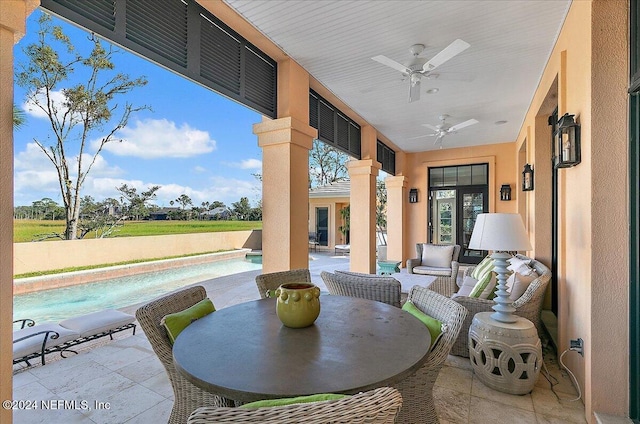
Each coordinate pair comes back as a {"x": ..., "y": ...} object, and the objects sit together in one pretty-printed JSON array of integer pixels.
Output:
[
  {"x": 51, "y": 255},
  {"x": 589, "y": 65},
  {"x": 13, "y": 14},
  {"x": 502, "y": 170}
]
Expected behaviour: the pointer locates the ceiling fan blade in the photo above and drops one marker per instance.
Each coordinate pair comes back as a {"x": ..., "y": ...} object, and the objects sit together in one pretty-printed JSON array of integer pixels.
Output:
[
  {"x": 453, "y": 49},
  {"x": 421, "y": 136},
  {"x": 438, "y": 139},
  {"x": 462, "y": 125},
  {"x": 431, "y": 127},
  {"x": 392, "y": 64},
  {"x": 414, "y": 90}
]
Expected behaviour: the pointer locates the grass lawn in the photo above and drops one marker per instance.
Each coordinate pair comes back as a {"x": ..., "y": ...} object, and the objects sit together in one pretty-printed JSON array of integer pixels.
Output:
[{"x": 25, "y": 230}]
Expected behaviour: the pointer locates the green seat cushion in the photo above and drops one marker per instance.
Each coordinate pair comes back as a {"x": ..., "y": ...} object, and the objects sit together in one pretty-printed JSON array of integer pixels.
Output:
[
  {"x": 292, "y": 401},
  {"x": 434, "y": 326},
  {"x": 482, "y": 273},
  {"x": 178, "y": 321}
]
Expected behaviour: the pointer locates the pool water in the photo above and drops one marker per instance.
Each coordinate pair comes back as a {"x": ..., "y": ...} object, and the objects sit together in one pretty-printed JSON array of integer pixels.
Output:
[{"x": 58, "y": 304}]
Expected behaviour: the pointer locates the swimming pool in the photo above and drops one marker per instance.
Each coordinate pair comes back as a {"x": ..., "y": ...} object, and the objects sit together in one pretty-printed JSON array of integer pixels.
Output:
[{"x": 66, "y": 302}]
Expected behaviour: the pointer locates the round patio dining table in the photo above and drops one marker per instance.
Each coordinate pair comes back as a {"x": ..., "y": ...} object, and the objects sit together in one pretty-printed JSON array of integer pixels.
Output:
[{"x": 244, "y": 353}]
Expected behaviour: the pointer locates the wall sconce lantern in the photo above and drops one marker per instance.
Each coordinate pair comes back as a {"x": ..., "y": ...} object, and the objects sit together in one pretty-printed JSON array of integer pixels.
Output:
[
  {"x": 527, "y": 178},
  {"x": 566, "y": 142},
  {"x": 413, "y": 195},
  {"x": 505, "y": 192}
]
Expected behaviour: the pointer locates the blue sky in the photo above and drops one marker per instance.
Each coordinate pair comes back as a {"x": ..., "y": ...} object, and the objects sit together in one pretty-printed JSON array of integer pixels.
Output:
[{"x": 193, "y": 142}]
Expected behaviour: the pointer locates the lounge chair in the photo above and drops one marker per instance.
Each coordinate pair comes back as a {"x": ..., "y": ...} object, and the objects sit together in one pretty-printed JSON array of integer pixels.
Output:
[{"x": 33, "y": 341}]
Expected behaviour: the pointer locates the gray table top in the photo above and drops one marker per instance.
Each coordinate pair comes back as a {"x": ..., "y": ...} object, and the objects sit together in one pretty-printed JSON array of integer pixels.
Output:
[{"x": 243, "y": 352}]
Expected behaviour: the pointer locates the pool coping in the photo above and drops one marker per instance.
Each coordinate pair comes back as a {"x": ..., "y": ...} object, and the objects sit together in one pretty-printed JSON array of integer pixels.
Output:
[{"x": 67, "y": 279}]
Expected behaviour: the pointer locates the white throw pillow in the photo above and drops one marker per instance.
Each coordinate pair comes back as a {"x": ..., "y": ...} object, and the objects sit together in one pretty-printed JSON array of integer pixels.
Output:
[
  {"x": 517, "y": 284},
  {"x": 438, "y": 256},
  {"x": 522, "y": 269},
  {"x": 468, "y": 283}
]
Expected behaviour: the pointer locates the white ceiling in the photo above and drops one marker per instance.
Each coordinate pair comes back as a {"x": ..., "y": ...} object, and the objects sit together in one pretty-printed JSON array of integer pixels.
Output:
[{"x": 493, "y": 80}]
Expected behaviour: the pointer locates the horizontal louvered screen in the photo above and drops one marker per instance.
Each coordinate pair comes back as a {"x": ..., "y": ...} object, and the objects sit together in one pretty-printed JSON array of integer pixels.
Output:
[
  {"x": 160, "y": 27},
  {"x": 220, "y": 56},
  {"x": 186, "y": 38},
  {"x": 334, "y": 128},
  {"x": 101, "y": 11},
  {"x": 387, "y": 157}
]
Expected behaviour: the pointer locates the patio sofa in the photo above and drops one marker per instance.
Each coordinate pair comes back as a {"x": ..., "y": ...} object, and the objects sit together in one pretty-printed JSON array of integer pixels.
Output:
[
  {"x": 33, "y": 341},
  {"x": 528, "y": 305}
]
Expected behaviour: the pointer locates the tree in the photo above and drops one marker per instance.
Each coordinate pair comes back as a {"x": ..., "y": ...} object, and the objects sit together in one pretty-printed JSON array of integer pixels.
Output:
[
  {"x": 19, "y": 117},
  {"x": 100, "y": 218},
  {"x": 137, "y": 202},
  {"x": 242, "y": 209},
  {"x": 345, "y": 214},
  {"x": 87, "y": 107},
  {"x": 326, "y": 164},
  {"x": 381, "y": 209},
  {"x": 184, "y": 201}
]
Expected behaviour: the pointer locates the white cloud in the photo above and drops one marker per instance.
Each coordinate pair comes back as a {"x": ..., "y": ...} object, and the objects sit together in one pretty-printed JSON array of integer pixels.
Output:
[
  {"x": 247, "y": 164},
  {"x": 57, "y": 100},
  {"x": 34, "y": 172},
  {"x": 160, "y": 138},
  {"x": 199, "y": 169}
]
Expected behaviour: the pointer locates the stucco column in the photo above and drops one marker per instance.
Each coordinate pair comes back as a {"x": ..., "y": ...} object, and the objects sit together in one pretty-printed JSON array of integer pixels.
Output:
[
  {"x": 362, "y": 224},
  {"x": 13, "y": 14},
  {"x": 285, "y": 146},
  {"x": 396, "y": 205}
]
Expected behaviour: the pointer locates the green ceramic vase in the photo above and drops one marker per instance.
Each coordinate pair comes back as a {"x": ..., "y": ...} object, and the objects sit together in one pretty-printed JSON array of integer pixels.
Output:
[{"x": 298, "y": 304}]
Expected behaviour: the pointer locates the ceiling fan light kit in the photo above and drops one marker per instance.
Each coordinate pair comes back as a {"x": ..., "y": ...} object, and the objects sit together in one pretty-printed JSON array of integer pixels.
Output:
[{"x": 418, "y": 67}]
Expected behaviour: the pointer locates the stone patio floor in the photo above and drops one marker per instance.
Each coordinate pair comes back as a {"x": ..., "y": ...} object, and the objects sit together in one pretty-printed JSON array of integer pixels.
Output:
[{"x": 126, "y": 375}]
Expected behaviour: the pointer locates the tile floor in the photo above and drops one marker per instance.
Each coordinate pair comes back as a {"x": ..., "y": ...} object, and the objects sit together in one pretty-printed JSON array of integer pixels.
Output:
[{"x": 125, "y": 376}]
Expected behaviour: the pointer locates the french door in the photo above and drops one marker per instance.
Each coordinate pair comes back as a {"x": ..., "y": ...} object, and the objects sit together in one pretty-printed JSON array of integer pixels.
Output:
[{"x": 457, "y": 195}]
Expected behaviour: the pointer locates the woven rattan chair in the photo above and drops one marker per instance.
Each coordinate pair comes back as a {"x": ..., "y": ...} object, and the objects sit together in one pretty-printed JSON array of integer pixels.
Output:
[
  {"x": 272, "y": 281},
  {"x": 417, "y": 266},
  {"x": 187, "y": 396},
  {"x": 417, "y": 390},
  {"x": 375, "y": 406},
  {"x": 367, "y": 286},
  {"x": 528, "y": 306}
]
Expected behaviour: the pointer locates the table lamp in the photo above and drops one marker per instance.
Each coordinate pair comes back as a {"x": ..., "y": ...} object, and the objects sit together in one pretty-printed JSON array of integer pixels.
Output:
[{"x": 500, "y": 233}]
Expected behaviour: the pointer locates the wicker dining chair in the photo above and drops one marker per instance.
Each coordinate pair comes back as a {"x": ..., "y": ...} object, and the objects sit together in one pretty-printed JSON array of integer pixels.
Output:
[
  {"x": 417, "y": 389},
  {"x": 367, "y": 286},
  {"x": 187, "y": 396},
  {"x": 272, "y": 281},
  {"x": 375, "y": 406}
]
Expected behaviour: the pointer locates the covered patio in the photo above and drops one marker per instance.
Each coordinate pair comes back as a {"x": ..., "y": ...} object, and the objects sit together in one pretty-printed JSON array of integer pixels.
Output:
[
  {"x": 527, "y": 61},
  {"x": 128, "y": 376}
]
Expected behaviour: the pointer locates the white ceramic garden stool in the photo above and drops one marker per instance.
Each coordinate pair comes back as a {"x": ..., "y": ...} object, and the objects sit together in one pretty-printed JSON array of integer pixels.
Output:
[{"x": 505, "y": 356}]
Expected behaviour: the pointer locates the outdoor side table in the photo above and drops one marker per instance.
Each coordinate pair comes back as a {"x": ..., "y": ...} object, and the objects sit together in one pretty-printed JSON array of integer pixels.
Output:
[
  {"x": 505, "y": 357},
  {"x": 389, "y": 267}
]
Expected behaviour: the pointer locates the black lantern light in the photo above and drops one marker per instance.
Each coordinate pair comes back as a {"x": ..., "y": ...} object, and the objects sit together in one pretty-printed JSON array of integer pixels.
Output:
[
  {"x": 527, "y": 178},
  {"x": 566, "y": 143},
  {"x": 505, "y": 192},
  {"x": 413, "y": 195}
]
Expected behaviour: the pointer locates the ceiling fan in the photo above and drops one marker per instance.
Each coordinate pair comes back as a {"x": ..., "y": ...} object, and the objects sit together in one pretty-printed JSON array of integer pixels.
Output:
[
  {"x": 443, "y": 129},
  {"x": 419, "y": 67}
]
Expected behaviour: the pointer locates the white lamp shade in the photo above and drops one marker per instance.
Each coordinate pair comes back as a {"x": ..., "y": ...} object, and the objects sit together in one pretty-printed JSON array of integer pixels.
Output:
[{"x": 503, "y": 232}]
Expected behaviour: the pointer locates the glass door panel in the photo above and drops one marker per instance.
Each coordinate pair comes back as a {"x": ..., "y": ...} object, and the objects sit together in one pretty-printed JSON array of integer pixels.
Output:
[
  {"x": 445, "y": 216},
  {"x": 322, "y": 225},
  {"x": 473, "y": 201}
]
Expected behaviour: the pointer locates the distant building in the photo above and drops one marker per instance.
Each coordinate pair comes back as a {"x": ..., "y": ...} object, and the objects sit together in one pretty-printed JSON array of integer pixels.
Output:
[{"x": 325, "y": 203}]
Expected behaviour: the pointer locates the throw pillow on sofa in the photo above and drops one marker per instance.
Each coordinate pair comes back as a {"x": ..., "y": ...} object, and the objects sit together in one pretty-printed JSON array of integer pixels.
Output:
[
  {"x": 468, "y": 283},
  {"x": 482, "y": 273},
  {"x": 437, "y": 256},
  {"x": 517, "y": 284}
]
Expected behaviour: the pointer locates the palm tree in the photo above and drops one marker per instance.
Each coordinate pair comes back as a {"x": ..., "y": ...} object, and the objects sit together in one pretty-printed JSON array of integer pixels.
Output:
[{"x": 19, "y": 117}]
